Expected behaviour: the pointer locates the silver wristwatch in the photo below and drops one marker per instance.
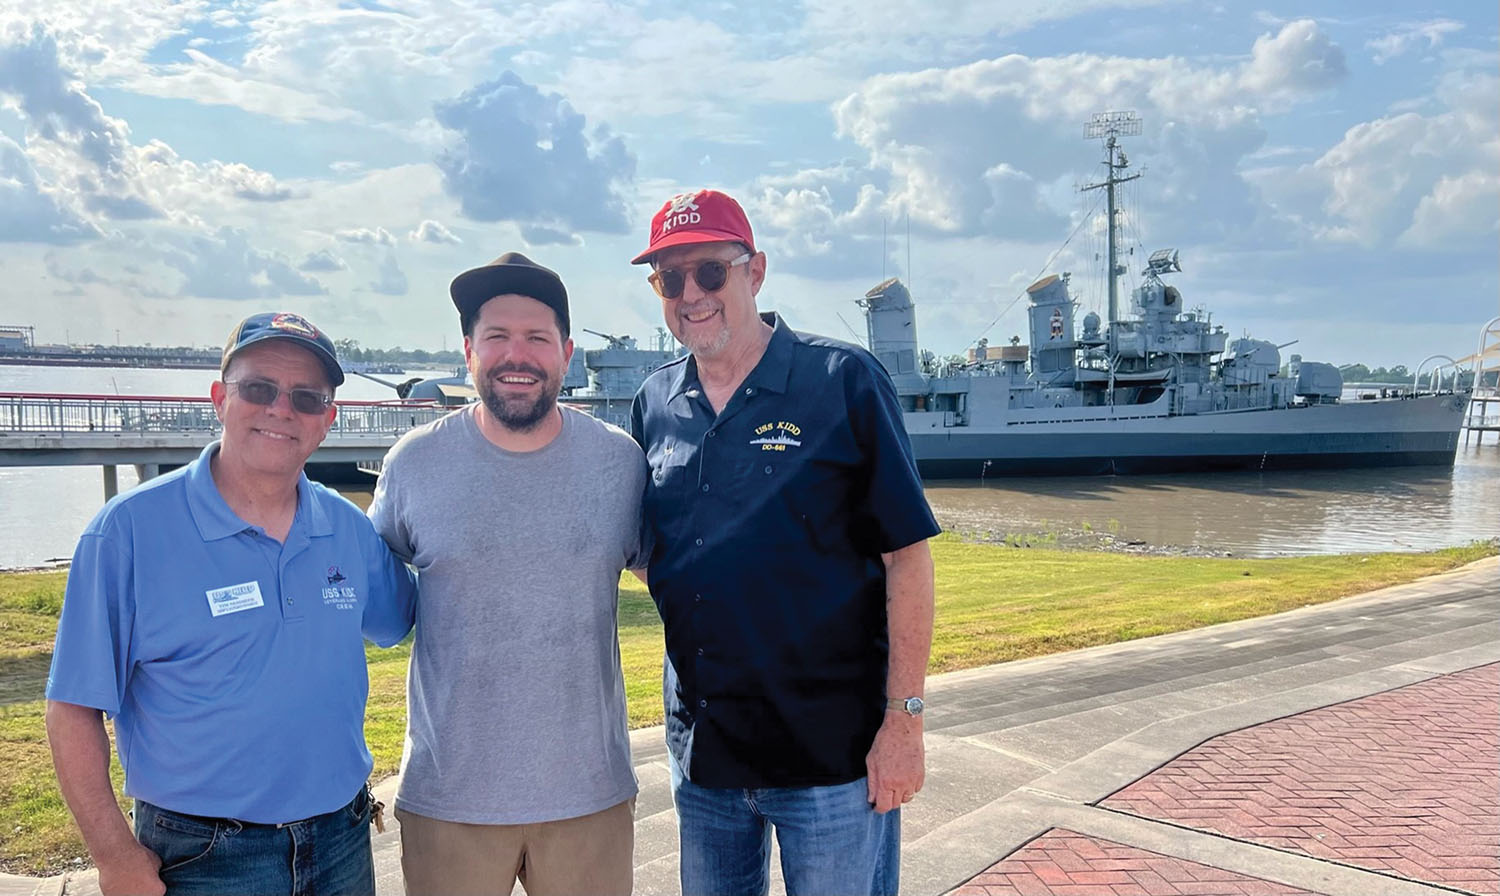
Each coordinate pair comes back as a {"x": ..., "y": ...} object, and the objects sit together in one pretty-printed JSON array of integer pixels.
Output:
[{"x": 912, "y": 706}]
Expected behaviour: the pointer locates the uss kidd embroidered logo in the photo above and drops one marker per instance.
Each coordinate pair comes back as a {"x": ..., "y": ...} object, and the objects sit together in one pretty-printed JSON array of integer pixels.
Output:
[{"x": 777, "y": 436}]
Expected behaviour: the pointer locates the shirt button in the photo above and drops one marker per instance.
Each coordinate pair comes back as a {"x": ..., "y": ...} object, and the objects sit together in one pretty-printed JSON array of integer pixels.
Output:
[
  {"x": 705, "y": 487},
  {"x": 749, "y": 391},
  {"x": 768, "y": 469},
  {"x": 700, "y": 651},
  {"x": 698, "y": 542},
  {"x": 697, "y": 598},
  {"x": 712, "y": 433},
  {"x": 289, "y": 601},
  {"x": 703, "y": 704}
]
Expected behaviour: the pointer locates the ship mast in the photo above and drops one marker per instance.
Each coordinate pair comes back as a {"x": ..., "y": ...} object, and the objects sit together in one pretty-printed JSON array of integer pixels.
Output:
[{"x": 1110, "y": 125}]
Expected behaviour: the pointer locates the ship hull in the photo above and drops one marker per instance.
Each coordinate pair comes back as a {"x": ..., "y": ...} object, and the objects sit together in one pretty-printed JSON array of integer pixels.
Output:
[{"x": 1413, "y": 432}]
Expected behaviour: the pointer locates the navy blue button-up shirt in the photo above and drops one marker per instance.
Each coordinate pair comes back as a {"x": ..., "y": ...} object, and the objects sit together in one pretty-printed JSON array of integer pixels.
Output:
[{"x": 768, "y": 522}]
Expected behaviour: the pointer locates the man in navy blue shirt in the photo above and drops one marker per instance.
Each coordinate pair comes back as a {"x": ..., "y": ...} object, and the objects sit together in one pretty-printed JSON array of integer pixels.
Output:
[
  {"x": 791, "y": 569},
  {"x": 218, "y": 613}
]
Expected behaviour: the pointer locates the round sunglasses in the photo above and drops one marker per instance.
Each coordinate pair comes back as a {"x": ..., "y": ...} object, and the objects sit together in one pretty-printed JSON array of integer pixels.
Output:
[
  {"x": 709, "y": 275},
  {"x": 261, "y": 392}
]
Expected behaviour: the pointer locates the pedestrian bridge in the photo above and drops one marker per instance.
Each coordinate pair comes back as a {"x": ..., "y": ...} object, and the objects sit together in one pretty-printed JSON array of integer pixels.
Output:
[{"x": 153, "y": 431}]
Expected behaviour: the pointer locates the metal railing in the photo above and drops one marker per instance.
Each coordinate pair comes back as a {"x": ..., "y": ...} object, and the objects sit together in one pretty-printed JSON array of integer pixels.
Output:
[{"x": 62, "y": 414}]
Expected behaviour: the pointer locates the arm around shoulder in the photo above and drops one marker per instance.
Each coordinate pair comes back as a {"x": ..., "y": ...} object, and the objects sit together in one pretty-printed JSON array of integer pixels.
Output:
[{"x": 390, "y": 608}]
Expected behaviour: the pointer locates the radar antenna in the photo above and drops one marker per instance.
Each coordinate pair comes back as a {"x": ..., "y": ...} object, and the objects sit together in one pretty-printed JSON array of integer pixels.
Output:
[{"x": 1110, "y": 125}]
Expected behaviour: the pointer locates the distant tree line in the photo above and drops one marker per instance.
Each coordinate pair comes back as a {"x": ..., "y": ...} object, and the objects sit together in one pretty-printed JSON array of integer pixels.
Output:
[
  {"x": 1359, "y": 373},
  {"x": 349, "y": 349}
]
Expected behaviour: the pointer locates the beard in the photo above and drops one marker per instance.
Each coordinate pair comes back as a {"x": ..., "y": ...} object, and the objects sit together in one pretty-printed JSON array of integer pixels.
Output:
[
  {"x": 518, "y": 413},
  {"x": 708, "y": 345}
]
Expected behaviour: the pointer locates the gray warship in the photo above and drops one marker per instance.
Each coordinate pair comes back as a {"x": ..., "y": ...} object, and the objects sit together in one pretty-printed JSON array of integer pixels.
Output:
[
  {"x": 603, "y": 381},
  {"x": 1162, "y": 391}
]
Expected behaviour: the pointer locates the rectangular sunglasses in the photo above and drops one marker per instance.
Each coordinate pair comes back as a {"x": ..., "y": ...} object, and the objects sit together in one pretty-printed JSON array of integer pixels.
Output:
[{"x": 304, "y": 401}]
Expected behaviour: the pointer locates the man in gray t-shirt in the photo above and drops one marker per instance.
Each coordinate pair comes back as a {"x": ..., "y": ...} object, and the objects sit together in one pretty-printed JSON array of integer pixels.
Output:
[{"x": 519, "y": 516}]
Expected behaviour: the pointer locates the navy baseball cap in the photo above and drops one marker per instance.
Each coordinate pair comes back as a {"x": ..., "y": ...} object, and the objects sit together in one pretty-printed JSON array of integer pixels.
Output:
[
  {"x": 510, "y": 274},
  {"x": 282, "y": 325}
]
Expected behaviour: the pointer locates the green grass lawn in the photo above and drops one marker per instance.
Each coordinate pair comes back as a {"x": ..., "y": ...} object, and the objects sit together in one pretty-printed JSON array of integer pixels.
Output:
[{"x": 994, "y": 603}]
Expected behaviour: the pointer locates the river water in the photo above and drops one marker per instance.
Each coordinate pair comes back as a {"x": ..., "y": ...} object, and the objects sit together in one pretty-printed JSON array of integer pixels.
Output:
[{"x": 43, "y": 509}]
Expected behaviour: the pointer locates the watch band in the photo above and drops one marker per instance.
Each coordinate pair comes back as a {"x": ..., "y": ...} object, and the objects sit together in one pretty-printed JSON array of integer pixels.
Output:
[{"x": 912, "y": 706}]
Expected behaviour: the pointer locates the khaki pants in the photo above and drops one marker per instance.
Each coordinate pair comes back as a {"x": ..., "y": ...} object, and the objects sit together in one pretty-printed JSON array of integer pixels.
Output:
[{"x": 589, "y": 855}]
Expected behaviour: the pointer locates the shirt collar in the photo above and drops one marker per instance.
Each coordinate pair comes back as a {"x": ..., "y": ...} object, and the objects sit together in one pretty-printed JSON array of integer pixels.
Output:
[
  {"x": 215, "y": 519},
  {"x": 772, "y": 371}
]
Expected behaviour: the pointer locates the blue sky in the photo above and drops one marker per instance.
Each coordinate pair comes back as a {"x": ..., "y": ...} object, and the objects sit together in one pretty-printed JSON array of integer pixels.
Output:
[{"x": 1330, "y": 172}]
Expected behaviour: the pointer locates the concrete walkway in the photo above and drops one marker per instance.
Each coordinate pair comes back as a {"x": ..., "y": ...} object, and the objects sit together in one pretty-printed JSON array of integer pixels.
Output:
[{"x": 1078, "y": 773}]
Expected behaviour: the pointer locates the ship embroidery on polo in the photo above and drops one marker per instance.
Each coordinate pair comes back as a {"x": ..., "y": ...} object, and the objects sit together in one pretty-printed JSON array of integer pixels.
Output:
[{"x": 777, "y": 436}]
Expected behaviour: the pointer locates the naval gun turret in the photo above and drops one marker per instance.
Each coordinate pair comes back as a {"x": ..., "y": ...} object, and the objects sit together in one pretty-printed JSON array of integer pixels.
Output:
[{"x": 621, "y": 342}]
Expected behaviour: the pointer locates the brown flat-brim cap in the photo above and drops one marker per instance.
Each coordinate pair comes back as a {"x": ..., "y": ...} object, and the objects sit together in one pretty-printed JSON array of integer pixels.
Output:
[{"x": 511, "y": 273}]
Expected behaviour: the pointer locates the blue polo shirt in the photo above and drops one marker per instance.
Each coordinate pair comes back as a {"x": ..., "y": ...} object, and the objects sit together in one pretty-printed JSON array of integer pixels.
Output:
[
  {"x": 233, "y": 664},
  {"x": 768, "y": 521}
]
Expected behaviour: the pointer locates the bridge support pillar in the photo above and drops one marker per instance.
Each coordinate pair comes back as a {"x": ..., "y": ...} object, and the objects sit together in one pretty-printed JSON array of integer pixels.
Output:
[
  {"x": 145, "y": 472},
  {"x": 111, "y": 481}
]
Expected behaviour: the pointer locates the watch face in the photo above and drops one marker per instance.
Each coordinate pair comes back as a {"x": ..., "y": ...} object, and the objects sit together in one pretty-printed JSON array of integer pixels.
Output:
[{"x": 914, "y": 706}]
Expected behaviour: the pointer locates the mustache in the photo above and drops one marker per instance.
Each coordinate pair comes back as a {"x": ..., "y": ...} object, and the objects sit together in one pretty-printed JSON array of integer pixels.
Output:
[{"x": 502, "y": 369}]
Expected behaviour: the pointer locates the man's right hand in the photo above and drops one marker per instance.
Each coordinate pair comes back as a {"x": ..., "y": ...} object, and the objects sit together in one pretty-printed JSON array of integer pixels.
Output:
[{"x": 135, "y": 872}]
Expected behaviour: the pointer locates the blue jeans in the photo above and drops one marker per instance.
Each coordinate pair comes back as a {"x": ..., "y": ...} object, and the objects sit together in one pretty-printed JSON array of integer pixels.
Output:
[
  {"x": 326, "y": 855},
  {"x": 832, "y": 841}
]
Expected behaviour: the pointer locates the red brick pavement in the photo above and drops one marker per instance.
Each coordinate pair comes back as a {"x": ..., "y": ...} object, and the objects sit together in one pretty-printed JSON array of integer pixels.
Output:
[
  {"x": 1064, "y": 863},
  {"x": 1406, "y": 782}
]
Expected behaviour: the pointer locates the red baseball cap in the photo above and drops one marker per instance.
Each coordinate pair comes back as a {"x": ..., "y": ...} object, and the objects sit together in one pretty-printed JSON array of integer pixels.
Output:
[{"x": 706, "y": 216}]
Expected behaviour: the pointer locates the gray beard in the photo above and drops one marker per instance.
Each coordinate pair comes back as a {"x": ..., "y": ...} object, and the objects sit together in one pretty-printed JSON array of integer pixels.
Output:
[{"x": 714, "y": 346}]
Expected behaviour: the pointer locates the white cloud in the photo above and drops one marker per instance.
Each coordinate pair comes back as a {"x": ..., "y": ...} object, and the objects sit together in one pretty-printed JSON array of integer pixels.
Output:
[
  {"x": 377, "y": 237},
  {"x": 225, "y": 266},
  {"x": 1455, "y": 212},
  {"x": 88, "y": 147},
  {"x": 208, "y": 81},
  {"x": 107, "y": 40},
  {"x": 322, "y": 260},
  {"x": 933, "y": 152},
  {"x": 430, "y": 231},
  {"x": 87, "y": 158},
  {"x": 1392, "y": 178},
  {"x": 28, "y": 212},
  {"x": 1405, "y": 38},
  {"x": 1298, "y": 59}
]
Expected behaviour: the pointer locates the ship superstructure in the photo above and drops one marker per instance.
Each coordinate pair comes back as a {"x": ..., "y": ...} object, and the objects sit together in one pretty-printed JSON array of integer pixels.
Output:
[
  {"x": 1163, "y": 390},
  {"x": 604, "y": 381}
]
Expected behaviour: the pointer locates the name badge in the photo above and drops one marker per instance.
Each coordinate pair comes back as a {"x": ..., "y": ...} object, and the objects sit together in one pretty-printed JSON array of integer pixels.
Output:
[{"x": 235, "y": 598}]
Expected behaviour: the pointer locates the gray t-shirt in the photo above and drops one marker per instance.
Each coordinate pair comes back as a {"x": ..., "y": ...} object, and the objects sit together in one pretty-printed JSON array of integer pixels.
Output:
[{"x": 516, "y": 703}]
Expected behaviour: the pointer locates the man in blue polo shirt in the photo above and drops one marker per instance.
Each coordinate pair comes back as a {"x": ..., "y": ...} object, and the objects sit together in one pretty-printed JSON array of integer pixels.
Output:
[
  {"x": 218, "y": 613},
  {"x": 791, "y": 569}
]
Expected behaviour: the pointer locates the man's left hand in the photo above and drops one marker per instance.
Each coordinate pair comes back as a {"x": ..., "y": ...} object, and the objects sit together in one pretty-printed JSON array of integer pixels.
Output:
[{"x": 895, "y": 764}]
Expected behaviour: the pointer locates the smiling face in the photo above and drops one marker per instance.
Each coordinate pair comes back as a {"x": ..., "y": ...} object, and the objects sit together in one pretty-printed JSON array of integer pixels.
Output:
[
  {"x": 711, "y": 324},
  {"x": 517, "y": 357},
  {"x": 271, "y": 439}
]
